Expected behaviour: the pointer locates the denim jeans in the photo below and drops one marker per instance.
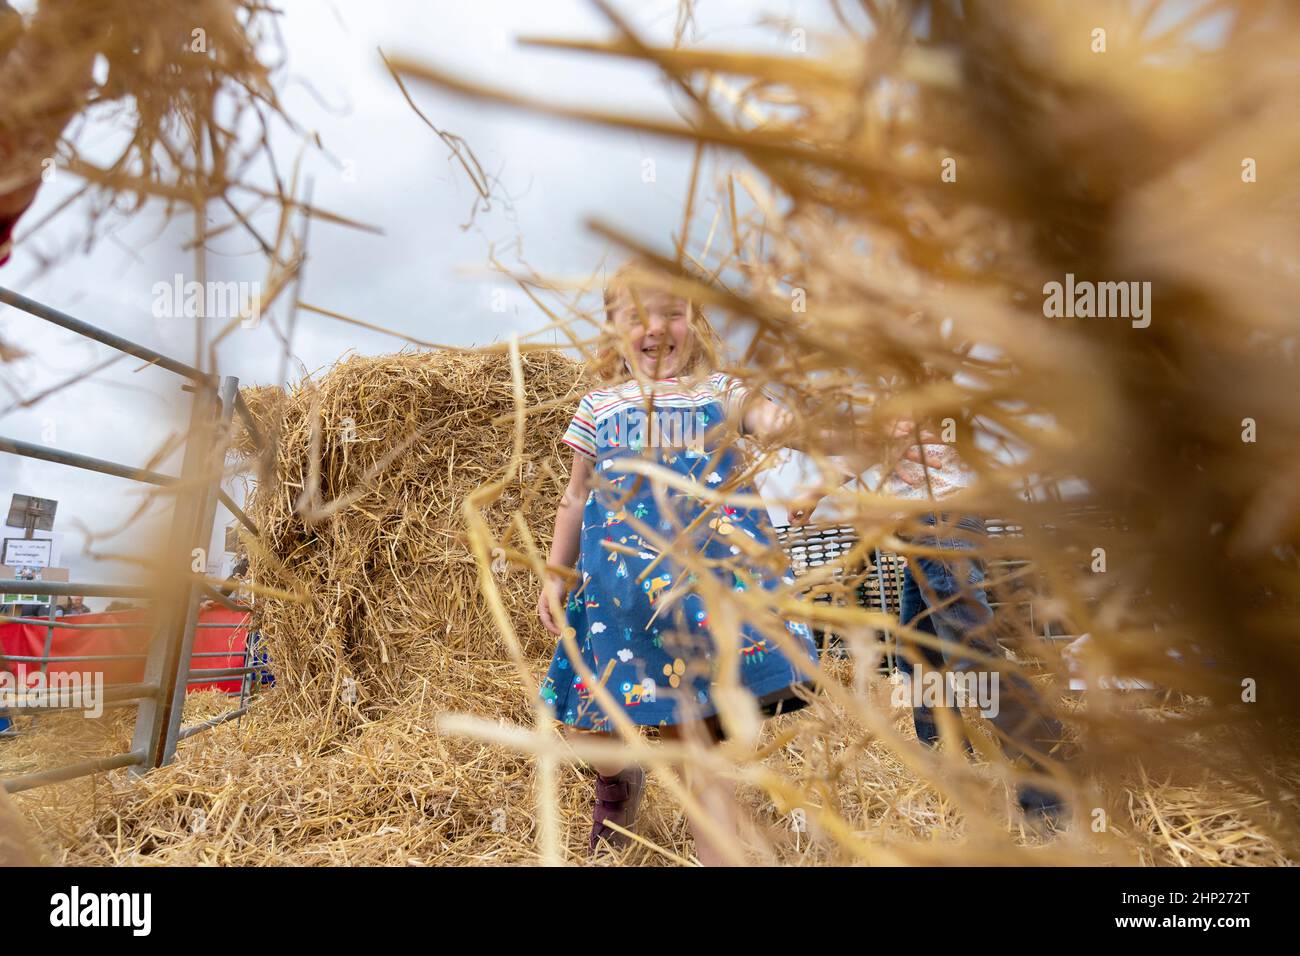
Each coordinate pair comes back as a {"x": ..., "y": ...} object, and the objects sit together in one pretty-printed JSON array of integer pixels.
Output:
[{"x": 944, "y": 596}]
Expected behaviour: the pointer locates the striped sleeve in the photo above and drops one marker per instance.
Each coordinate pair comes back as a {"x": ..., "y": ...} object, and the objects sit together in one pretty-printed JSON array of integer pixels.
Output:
[
  {"x": 581, "y": 436},
  {"x": 732, "y": 391}
]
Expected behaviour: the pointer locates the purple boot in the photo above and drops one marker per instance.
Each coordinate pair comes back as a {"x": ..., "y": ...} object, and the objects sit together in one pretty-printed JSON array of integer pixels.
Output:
[{"x": 617, "y": 799}]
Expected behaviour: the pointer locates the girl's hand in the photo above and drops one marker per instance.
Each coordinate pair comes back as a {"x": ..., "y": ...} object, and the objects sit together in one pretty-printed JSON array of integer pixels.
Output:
[
  {"x": 920, "y": 447},
  {"x": 916, "y": 471},
  {"x": 556, "y": 586},
  {"x": 801, "y": 510}
]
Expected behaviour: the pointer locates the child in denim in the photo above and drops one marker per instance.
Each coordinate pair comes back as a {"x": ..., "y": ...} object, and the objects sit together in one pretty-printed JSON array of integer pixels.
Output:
[{"x": 944, "y": 595}]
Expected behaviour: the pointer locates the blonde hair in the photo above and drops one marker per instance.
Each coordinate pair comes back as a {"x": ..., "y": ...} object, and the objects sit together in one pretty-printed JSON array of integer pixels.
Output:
[{"x": 610, "y": 366}]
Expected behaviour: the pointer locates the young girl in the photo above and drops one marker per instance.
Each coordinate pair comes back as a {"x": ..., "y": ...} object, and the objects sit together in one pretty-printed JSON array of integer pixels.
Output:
[{"x": 640, "y": 625}]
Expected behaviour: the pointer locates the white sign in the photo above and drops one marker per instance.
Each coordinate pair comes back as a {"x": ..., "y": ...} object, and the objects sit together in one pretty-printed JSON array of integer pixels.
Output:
[{"x": 27, "y": 552}]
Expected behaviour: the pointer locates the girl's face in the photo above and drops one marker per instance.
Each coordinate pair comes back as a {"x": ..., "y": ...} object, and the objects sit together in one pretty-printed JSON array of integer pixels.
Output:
[{"x": 657, "y": 336}]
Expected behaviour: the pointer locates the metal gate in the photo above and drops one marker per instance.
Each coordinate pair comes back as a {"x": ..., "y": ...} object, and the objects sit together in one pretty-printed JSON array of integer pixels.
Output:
[{"x": 168, "y": 663}]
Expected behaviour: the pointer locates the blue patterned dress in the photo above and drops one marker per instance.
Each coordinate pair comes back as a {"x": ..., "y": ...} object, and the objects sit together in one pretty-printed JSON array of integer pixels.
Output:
[{"x": 640, "y": 627}]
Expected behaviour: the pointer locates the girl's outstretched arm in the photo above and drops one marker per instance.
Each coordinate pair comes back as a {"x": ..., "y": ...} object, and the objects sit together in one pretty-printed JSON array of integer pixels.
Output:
[
  {"x": 565, "y": 541},
  {"x": 770, "y": 423}
]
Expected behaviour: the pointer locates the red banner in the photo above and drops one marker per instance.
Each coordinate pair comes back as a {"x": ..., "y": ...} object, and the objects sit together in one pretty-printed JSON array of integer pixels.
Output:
[{"x": 106, "y": 635}]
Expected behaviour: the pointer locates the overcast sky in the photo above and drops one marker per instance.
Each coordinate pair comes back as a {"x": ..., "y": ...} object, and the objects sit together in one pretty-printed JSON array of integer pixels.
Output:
[{"x": 424, "y": 276}]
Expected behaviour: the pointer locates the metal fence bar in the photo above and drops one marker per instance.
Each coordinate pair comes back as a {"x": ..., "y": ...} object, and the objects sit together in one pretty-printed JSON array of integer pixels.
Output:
[
  {"x": 108, "y": 704},
  {"x": 217, "y": 597},
  {"x": 72, "y": 459},
  {"x": 214, "y": 436},
  {"x": 63, "y": 320},
  {"x": 164, "y": 661},
  {"x": 112, "y": 692},
  {"x": 42, "y": 778},
  {"x": 59, "y": 625},
  {"x": 216, "y": 674},
  {"x": 72, "y": 658},
  {"x": 251, "y": 654},
  {"x": 19, "y": 586},
  {"x": 114, "y": 626},
  {"x": 90, "y": 658},
  {"x": 187, "y": 732},
  {"x": 49, "y": 636},
  {"x": 49, "y": 643},
  {"x": 238, "y": 512}
]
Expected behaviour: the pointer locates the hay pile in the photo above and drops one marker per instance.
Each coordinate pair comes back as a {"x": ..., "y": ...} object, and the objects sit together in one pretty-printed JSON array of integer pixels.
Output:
[
  {"x": 397, "y": 792},
  {"x": 362, "y": 518},
  {"x": 392, "y": 603}
]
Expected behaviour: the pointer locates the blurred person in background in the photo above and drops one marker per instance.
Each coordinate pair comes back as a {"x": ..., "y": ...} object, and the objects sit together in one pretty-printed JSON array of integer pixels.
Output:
[
  {"x": 76, "y": 605},
  {"x": 943, "y": 595}
]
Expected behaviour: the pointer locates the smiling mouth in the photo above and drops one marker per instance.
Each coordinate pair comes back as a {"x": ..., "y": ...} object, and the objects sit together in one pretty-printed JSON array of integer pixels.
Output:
[{"x": 658, "y": 351}]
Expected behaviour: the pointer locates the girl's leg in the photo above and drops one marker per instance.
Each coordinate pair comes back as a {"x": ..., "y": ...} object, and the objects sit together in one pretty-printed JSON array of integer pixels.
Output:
[
  {"x": 604, "y": 768},
  {"x": 718, "y": 796},
  {"x": 911, "y": 608},
  {"x": 1032, "y": 731},
  {"x": 618, "y": 795}
]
